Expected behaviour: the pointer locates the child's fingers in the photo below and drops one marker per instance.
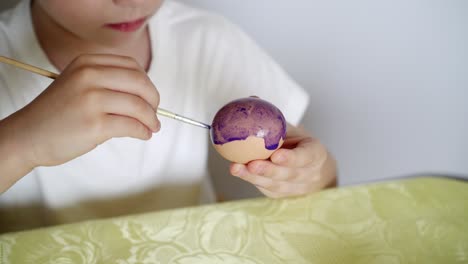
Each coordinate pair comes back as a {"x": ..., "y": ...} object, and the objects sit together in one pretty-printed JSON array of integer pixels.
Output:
[
  {"x": 272, "y": 171},
  {"x": 122, "y": 80},
  {"x": 270, "y": 184},
  {"x": 284, "y": 174},
  {"x": 271, "y": 187},
  {"x": 130, "y": 105},
  {"x": 308, "y": 151},
  {"x": 241, "y": 171},
  {"x": 123, "y": 126},
  {"x": 106, "y": 60}
]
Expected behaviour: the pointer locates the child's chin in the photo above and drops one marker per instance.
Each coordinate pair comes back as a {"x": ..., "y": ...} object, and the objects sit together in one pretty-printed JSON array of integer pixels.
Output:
[{"x": 116, "y": 38}]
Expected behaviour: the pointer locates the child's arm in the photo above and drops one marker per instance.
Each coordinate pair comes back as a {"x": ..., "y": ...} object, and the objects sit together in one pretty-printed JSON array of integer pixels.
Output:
[
  {"x": 96, "y": 98},
  {"x": 301, "y": 166}
]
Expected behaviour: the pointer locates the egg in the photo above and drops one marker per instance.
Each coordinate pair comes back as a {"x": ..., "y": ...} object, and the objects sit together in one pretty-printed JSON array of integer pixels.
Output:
[{"x": 248, "y": 129}]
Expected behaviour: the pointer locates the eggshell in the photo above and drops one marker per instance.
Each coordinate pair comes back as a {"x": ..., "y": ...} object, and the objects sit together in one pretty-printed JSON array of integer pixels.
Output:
[
  {"x": 248, "y": 129},
  {"x": 243, "y": 151}
]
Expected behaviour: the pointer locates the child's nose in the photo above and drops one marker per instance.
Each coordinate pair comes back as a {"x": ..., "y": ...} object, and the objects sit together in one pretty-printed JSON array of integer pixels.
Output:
[{"x": 128, "y": 2}]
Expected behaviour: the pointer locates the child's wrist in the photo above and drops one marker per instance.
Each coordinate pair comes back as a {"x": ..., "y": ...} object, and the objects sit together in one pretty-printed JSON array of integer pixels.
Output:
[{"x": 15, "y": 161}]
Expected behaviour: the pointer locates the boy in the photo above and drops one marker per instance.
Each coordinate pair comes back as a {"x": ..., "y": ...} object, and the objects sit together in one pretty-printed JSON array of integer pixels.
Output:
[{"x": 68, "y": 147}]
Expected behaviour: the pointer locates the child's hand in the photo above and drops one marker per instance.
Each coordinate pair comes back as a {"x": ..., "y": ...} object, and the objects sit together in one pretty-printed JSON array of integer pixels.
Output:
[
  {"x": 97, "y": 97},
  {"x": 300, "y": 167}
]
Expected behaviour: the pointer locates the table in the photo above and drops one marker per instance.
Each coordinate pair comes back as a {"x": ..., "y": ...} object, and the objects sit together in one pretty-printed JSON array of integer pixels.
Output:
[{"x": 420, "y": 220}]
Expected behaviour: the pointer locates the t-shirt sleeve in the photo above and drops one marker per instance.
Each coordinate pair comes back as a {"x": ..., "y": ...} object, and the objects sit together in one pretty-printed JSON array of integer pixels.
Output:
[
  {"x": 6, "y": 100},
  {"x": 238, "y": 67}
]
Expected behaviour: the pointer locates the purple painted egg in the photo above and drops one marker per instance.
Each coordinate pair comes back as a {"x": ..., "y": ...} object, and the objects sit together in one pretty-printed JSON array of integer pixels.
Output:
[{"x": 248, "y": 129}]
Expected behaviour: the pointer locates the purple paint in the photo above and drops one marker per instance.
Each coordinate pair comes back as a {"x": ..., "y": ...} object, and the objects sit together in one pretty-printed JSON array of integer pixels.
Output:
[{"x": 246, "y": 117}]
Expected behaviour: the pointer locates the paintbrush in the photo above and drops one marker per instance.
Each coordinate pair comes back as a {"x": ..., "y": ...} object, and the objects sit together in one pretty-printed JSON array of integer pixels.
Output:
[{"x": 52, "y": 75}]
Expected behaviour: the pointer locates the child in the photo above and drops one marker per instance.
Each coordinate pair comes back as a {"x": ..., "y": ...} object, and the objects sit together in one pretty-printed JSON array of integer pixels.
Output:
[{"x": 70, "y": 148}]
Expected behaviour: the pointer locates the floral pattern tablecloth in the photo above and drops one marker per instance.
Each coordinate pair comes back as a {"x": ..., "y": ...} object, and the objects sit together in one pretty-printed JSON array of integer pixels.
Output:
[{"x": 421, "y": 220}]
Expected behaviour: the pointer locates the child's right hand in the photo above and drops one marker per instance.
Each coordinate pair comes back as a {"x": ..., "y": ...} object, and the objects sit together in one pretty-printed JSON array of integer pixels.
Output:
[{"x": 97, "y": 97}]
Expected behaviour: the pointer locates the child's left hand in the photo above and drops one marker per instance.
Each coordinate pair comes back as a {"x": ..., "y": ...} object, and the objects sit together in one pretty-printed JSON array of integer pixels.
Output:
[{"x": 301, "y": 166}]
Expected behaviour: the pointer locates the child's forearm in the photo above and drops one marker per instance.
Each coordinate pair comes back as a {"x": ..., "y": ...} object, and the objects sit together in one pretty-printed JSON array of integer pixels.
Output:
[{"x": 13, "y": 157}]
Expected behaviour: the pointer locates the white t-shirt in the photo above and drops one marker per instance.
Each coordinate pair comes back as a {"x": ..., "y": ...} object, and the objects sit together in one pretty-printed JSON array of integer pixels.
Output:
[{"x": 200, "y": 62}]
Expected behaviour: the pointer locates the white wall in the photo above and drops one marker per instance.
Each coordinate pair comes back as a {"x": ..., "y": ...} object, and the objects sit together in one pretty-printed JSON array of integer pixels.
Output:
[{"x": 388, "y": 79}]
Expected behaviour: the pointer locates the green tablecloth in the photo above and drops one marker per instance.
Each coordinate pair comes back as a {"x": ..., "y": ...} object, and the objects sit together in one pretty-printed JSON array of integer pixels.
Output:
[{"x": 422, "y": 220}]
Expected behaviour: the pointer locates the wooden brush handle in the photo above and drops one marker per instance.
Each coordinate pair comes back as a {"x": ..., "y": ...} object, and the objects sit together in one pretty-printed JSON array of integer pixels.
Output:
[{"x": 28, "y": 67}]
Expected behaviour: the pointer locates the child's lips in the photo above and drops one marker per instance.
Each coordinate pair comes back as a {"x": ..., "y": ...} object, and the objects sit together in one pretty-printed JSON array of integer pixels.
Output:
[{"x": 129, "y": 26}]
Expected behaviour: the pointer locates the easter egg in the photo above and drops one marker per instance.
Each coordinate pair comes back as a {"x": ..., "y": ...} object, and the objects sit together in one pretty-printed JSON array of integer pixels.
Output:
[{"x": 248, "y": 129}]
